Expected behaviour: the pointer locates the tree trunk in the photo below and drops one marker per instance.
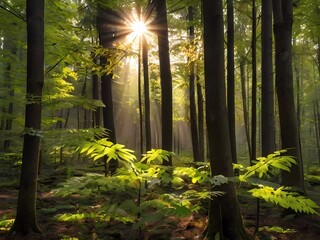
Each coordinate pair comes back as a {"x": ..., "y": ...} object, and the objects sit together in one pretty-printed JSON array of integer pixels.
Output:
[
  {"x": 95, "y": 95},
  {"x": 106, "y": 38},
  {"x": 290, "y": 138},
  {"x": 192, "y": 98},
  {"x": 230, "y": 80},
  {"x": 145, "y": 61},
  {"x": 200, "y": 121},
  {"x": 26, "y": 221},
  {"x": 267, "y": 102},
  {"x": 316, "y": 127},
  {"x": 224, "y": 213},
  {"x": 254, "y": 84},
  {"x": 9, "y": 85},
  {"x": 165, "y": 76},
  {"x": 244, "y": 103}
]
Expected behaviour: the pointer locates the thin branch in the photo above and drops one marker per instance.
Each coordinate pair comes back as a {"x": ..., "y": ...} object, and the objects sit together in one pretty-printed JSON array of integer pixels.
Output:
[{"x": 14, "y": 14}]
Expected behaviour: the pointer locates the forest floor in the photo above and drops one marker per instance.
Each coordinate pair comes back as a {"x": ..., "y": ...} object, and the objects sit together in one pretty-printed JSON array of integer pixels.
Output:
[{"x": 292, "y": 227}]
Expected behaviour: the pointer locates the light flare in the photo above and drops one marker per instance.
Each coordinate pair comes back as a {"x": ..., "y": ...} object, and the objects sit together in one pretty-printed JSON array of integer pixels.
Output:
[{"x": 139, "y": 28}]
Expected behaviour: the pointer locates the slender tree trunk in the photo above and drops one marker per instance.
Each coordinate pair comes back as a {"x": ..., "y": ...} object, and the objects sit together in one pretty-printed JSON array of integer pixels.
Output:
[
  {"x": 224, "y": 213},
  {"x": 267, "y": 103},
  {"x": 290, "y": 138},
  {"x": 244, "y": 103},
  {"x": 9, "y": 46},
  {"x": 254, "y": 83},
  {"x": 26, "y": 221},
  {"x": 192, "y": 98},
  {"x": 165, "y": 76},
  {"x": 140, "y": 97},
  {"x": 316, "y": 127},
  {"x": 106, "y": 37},
  {"x": 145, "y": 61},
  {"x": 230, "y": 79},
  {"x": 200, "y": 121},
  {"x": 95, "y": 95}
]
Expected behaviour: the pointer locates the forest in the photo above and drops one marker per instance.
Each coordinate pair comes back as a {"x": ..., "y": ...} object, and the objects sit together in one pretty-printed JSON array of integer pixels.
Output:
[{"x": 160, "y": 119}]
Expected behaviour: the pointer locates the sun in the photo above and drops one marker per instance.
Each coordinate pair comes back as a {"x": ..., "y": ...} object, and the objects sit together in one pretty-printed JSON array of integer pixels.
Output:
[{"x": 138, "y": 28}]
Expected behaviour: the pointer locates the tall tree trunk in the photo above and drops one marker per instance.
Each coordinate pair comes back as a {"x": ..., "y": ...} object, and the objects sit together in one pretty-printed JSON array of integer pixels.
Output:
[
  {"x": 224, "y": 213},
  {"x": 95, "y": 95},
  {"x": 254, "y": 83},
  {"x": 192, "y": 98},
  {"x": 145, "y": 61},
  {"x": 106, "y": 38},
  {"x": 290, "y": 138},
  {"x": 140, "y": 98},
  {"x": 244, "y": 103},
  {"x": 230, "y": 79},
  {"x": 165, "y": 76},
  {"x": 316, "y": 127},
  {"x": 26, "y": 221},
  {"x": 200, "y": 121},
  {"x": 9, "y": 84},
  {"x": 267, "y": 102}
]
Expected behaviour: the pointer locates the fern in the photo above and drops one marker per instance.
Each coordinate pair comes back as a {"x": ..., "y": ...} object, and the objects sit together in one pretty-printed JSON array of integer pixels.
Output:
[
  {"x": 264, "y": 165},
  {"x": 156, "y": 156},
  {"x": 97, "y": 149},
  {"x": 285, "y": 198}
]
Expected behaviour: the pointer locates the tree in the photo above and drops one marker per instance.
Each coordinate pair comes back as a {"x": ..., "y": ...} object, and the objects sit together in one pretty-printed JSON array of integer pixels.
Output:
[
  {"x": 230, "y": 79},
  {"x": 290, "y": 137},
  {"x": 106, "y": 28},
  {"x": 254, "y": 83},
  {"x": 267, "y": 102},
  {"x": 26, "y": 221},
  {"x": 165, "y": 76},
  {"x": 192, "y": 98},
  {"x": 224, "y": 215},
  {"x": 146, "y": 92}
]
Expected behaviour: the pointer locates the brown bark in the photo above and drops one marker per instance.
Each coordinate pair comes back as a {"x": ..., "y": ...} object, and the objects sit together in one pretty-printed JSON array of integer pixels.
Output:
[
  {"x": 107, "y": 35},
  {"x": 224, "y": 213},
  {"x": 145, "y": 61},
  {"x": 192, "y": 98},
  {"x": 26, "y": 221},
  {"x": 244, "y": 103},
  {"x": 267, "y": 103},
  {"x": 165, "y": 76},
  {"x": 290, "y": 137},
  {"x": 230, "y": 79},
  {"x": 254, "y": 83}
]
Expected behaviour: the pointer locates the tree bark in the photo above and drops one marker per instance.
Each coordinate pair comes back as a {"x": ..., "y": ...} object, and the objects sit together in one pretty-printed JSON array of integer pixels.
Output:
[
  {"x": 107, "y": 36},
  {"x": 254, "y": 83},
  {"x": 230, "y": 79},
  {"x": 192, "y": 98},
  {"x": 26, "y": 222},
  {"x": 267, "y": 103},
  {"x": 224, "y": 214},
  {"x": 244, "y": 103},
  {"x": 9, "y": 46},
  {"x": 145, "y": 61},
  {"x": 165, "y": 76},
  {"x": 290, "y": 138},
  {"x": 200, "y": 120}
]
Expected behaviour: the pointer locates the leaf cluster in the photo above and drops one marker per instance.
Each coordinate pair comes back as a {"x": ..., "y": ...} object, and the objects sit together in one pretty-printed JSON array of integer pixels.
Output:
[{"x": 285, "y": 198}]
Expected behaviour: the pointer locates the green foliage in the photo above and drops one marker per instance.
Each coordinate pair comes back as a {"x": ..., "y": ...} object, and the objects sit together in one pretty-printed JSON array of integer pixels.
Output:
[
  {"x": 287, "y": 199},
  {"x": 102, "y": 147},
  {"x": 156, "y": 156},
  {"x": 276, "y": 229},
  {"x": 265, "y": 165},
  {"x": 282, "y": 196},
  {"x": 5, "y": 223},
  {"x": 136, "y": 195}
]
